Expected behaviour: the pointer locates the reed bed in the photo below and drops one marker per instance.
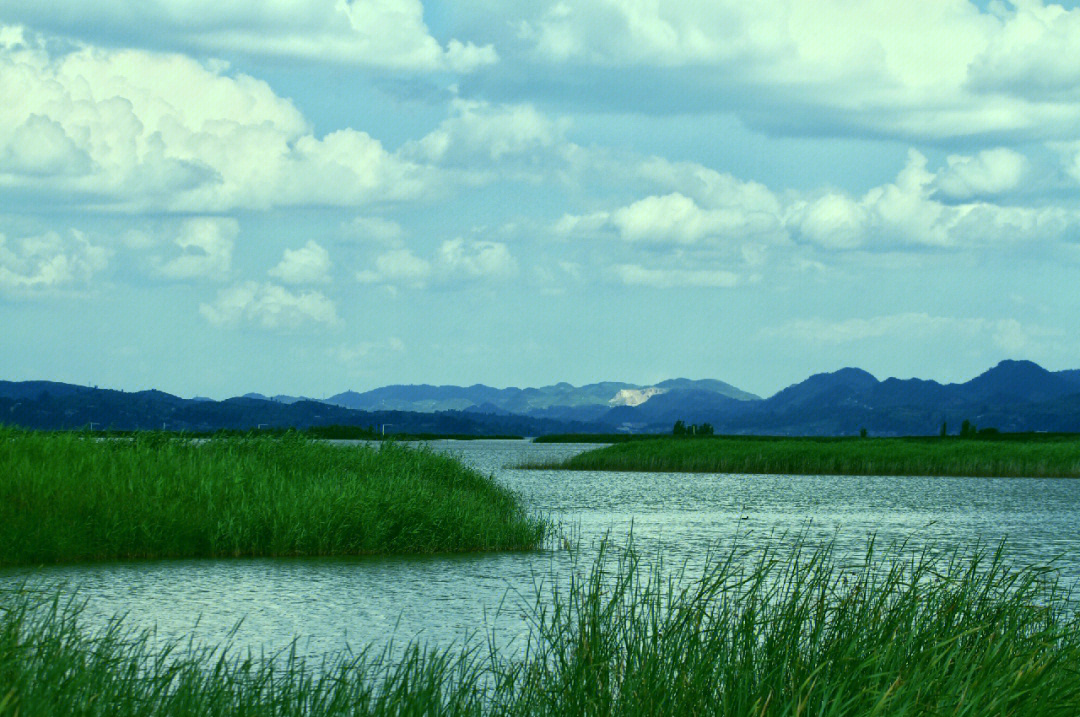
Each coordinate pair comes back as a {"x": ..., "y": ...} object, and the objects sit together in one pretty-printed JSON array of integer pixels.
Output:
[
  {"x": 69, "y": 497},
  {"x": 798, "y": 631},
  {"x": 850, "y": 456}
]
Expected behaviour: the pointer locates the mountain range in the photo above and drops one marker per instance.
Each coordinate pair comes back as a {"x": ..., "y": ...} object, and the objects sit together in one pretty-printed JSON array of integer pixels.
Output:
[{"x": 1012, "y": 396}]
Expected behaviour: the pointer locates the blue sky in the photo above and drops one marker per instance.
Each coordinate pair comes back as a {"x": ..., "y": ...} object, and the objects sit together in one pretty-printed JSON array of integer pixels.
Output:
[{"x": 292, "y": 197}]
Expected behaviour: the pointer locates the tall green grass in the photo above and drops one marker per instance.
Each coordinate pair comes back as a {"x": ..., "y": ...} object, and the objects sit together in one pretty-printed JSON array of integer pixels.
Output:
[
  {"x": 69, "y": 497},
  {"x": 849, "y": 456},
  {"x": 798, "y": 632}
]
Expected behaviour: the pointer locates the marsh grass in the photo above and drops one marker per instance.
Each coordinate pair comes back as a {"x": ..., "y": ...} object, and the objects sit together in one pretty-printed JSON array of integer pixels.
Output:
[
  {"x": 848, "y": 456},
  {"x": 785, "y": 631},
  {"x": 69, "y": 497}
]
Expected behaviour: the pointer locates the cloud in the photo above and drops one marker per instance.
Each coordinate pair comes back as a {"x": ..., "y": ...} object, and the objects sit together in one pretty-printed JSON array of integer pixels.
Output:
[
  {"x": 455, "y": 260},
  {"x": 207, "y": 244},
  {"x": 479, "y": 134},
  {"x": 35, "y": 264},
  {"x": 41, "y": 147},
  {"x": 382, "y": 34},
  {"x": 1008, "y": 335},
  {"x": 118, "y": 130},
  {"x": 907, "y": 212},
  {"x": 367, "y": 351},
  {"x": 399, "y": 266},
  {"x": 708, "y": 207},
  {"x": 269, "y": 306},
  {"x": 309, "y": 264},
  {"x": 926, "y": 69},
  {"x": 378, "y": 229},
  {"x": 635, "y": 275},
  {"x": 989, "y": 173},
  {"x": 476, "y": 259}
]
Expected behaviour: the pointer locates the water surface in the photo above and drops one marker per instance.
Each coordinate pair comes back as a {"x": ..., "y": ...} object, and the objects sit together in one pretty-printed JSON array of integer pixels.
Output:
[{"x": 333, "y": 604}]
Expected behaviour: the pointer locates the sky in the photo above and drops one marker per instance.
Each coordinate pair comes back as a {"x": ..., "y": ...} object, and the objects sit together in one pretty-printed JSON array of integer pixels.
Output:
[{"x": 296, "y": 197}]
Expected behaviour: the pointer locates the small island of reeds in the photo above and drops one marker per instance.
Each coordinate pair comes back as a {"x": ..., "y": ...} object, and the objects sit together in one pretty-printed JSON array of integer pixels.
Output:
[
  {"x": 1030, "y": 455},
  {"x": 69, "y": 497}
]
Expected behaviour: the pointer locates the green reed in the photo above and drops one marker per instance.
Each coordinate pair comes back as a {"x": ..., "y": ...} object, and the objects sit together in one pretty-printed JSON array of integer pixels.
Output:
[
  {"x": 789, "y": 630},
  {"x": 849, "y": 456},
  {"x": 70, "y": 497}
]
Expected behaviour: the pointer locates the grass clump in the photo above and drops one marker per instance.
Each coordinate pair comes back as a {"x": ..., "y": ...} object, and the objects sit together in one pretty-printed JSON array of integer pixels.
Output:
[
  {"x": 69, "y": 497},
  {"x": 832, "y": 456},
  {"x": 778, "y": 632}
]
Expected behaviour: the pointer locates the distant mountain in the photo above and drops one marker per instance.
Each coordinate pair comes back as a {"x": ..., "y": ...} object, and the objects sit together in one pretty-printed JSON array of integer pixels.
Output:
[
  {"x": 560, "y": 400},
  {"x": 1012, "y": 396}
]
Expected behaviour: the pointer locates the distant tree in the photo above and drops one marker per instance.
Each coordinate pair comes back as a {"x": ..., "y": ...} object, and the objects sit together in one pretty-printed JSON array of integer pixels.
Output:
[
  {"x": 944, "y": 429},
  {"x": 966, "y": 429},
  {"x": 679, "y": 429},
  {"x": 706, "y": 429},
  {"x": 862, "y": 433}
]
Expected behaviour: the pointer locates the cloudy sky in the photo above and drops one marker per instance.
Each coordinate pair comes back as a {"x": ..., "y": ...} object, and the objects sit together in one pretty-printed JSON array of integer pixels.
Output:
[{"x": 306, "y": 197}]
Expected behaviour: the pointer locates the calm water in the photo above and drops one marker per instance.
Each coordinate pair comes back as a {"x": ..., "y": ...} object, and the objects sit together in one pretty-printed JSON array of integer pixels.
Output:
[{"x": 329, "y": 604}]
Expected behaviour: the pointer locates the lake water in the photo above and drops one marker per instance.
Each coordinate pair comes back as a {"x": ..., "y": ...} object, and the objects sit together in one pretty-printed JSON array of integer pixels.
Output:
[{"x": 331, "y": 604}]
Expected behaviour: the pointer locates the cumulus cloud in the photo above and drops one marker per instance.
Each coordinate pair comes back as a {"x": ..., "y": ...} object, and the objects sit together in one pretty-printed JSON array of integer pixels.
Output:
[
  {"x": 309, "y": 264},
  {"x": 388, "y": 34},
  {"x": 400, "y": 266},
  {"x": 117, "y": 129},
  {"x": 269, "y": 306},
  {"x": 707, "y": 207},
  {"x": 928, "y": 69},
  {"x": 989, "y": 173},
  {"x": 907, "y": 211},
  {"x": 378, "y": 229},
  {"x": 35, "y": 264},
  {"x": 455, "y": 260},
  {"x": 207, "y": 246},
  {"x": 480, "y": 134}
]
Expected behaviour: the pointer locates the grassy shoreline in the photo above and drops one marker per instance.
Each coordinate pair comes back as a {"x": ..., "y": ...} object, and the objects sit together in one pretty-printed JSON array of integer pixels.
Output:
[
  {"x": 69, "y": 497},
  {"x": 1039, "y": 457},
  {"x": 768, "y": 633}
]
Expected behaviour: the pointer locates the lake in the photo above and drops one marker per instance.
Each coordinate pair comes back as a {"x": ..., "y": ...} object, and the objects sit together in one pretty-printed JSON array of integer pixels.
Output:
[{"x": 331, "y": 604}]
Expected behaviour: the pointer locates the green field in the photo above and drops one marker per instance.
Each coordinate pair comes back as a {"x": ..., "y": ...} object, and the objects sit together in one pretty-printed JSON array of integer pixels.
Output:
[
  {"x": 801, "y": 632},
  {"x": 1030, "y": 456},
  {"x": 70, "y": 497}
]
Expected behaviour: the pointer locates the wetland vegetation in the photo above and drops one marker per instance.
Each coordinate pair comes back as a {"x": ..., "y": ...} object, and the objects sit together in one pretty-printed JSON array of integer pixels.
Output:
[
  {"x": 795, "y": 629},
  {"x": 1030, "y": 455},
  {"x": 67, "y": 497}
]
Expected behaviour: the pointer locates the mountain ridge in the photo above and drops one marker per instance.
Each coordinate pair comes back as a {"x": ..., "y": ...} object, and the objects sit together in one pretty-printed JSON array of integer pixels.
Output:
[{"x": 1012, "y": 396}]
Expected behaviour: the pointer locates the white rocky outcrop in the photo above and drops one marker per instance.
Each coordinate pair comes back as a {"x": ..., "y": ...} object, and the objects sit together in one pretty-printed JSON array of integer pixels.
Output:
[{"x": 635, "y": 396}]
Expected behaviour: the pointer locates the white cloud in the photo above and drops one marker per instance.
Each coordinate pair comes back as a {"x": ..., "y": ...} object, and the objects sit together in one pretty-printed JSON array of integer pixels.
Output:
[
  {"x": 990, "y": 172},
  {"x": 269, "y": 306},
  {"x": 117, "y": 129},
  {"x": 906, "y": 212},
  {"x": 34, "y": 264},
  {"x": 388, "y": 34},
  {"x": 41, "y": 147},
  {"x": 636, "y": 275},
  {"x": 926, "y": 69},
  {"x": 706, "y": 207},
  {"x": 476, "y": 259},
  {"x": 366, "y": 351},
  {"x": 309, "y": 264},
  {"x": 207, "y": 244},
  {"x": 485, "y": 134},
  {"x": 378, "y": 229},
  {"x": 399, "y": 266},
  {"x": 1008, "y": 335},
  {"x": 455, "y": 260}
]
